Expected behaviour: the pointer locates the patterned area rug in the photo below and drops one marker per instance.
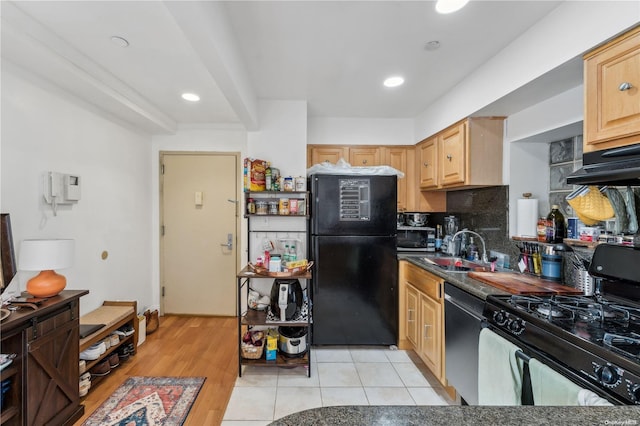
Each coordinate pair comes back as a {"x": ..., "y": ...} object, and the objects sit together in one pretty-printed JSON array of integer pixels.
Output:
[{"x": 148, "y": 401}]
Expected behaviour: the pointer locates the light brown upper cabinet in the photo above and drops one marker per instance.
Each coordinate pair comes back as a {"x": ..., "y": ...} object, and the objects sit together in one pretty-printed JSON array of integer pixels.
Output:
[
  {"x": 320, "y": 153},
  {"x": 428, "y": 163},
  {"x": 612, "y": 93},
  {"x": 400, "y": 157},
  {"x": 365, "y": 156},
  {"x": 464, "y": 155}
]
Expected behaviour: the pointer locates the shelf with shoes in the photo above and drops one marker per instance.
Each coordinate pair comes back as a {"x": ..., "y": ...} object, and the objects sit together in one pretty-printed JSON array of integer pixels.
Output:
[{"x": 110, "y": 345}]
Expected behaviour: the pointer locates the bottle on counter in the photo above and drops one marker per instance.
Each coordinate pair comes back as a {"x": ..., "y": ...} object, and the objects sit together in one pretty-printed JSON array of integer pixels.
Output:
[
  {"x": 472, "y": 250},
  {"x": 556, "y": 226}
]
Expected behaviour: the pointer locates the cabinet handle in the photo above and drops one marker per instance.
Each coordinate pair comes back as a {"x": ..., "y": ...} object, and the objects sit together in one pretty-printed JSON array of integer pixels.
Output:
[
  {"x": 426, "y": 329},
  {"x": 426, "y": 164},
  {"x": 449, "y": 157},
  {"x": 625, "y": 86},
  {"x": 409, "y": 311},
  {"x": 364, "y": 161}
]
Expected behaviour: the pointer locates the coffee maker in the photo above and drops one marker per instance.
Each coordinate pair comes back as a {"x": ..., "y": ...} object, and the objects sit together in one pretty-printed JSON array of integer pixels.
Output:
[{"x": 451, "y": 226}]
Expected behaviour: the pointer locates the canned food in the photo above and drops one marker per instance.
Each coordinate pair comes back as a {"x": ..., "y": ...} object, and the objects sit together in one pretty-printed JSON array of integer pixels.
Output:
[
  {"x": 273, "y": 207},
  {"x": 261, "y": 207}
]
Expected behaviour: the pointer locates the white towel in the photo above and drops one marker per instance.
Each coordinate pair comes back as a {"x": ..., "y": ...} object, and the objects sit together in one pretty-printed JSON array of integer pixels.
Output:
[
  {"x": 588, "y": 398},
  {"x": 499, "y": 371},
  {"x": 551, "y": 388}
]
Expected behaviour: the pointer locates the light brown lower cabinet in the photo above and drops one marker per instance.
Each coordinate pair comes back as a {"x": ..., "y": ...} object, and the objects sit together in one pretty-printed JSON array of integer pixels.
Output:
[{"x": 422, "y": 318}]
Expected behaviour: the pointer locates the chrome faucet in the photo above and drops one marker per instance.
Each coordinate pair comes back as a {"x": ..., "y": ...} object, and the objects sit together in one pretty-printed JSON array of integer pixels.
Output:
[{"x": 485, "y": 259}]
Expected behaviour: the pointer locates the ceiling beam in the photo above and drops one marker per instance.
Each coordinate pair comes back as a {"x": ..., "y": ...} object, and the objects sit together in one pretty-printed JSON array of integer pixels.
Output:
[{"x": 206, "y": 27}]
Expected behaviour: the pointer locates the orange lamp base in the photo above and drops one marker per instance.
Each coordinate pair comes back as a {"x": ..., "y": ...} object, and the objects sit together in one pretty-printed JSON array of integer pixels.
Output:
[{"x": 46, "y": 284}]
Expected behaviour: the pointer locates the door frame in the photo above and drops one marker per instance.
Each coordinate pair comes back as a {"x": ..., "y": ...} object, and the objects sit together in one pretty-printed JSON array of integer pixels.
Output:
[{"x": 239, "y": 207}]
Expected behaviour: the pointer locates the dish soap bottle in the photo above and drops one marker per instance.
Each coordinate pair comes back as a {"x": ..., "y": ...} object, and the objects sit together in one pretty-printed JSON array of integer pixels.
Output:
[
  {"x": 472, "y": 250},
  {"x": 556, "y": 226}
]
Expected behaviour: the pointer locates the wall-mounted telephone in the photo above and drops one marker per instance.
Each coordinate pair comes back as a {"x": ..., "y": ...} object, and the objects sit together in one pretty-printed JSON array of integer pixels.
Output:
[{"x": 60, "y": 188}]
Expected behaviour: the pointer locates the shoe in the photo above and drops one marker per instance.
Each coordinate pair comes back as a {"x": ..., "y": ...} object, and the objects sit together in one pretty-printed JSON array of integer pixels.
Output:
[
  {"x": 114, "y": 360},
  {"x": 125, "y": 330},
  {"x": 114, "y": 338},
  {"x": 82, "y": 366},
  {"x": 93, "y": 352},
  {"x": 101, "y": 369}
]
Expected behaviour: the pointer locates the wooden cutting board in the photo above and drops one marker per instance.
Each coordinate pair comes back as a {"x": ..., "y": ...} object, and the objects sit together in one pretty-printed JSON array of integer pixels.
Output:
[{"x": 516, "y": 283}]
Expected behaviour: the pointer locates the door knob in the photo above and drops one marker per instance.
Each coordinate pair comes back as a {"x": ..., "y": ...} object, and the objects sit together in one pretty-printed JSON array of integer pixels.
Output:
[{"x": 229, "y": 243}]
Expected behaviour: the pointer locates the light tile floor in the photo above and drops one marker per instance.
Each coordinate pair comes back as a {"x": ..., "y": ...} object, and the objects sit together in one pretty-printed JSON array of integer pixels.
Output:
[{"x": 339, "y": 376}]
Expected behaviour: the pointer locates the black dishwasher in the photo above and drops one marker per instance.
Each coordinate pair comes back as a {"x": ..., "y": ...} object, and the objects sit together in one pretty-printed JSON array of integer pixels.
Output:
[{"x": 462, "y": 324}]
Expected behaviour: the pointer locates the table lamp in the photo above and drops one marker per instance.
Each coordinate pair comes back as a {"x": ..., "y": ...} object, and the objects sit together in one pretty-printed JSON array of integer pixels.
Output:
[{"x": 45, "y": 256}]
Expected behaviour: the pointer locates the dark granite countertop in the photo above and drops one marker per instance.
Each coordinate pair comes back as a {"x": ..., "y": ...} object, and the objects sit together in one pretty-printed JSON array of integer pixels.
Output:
[
  {"x": 462, "y": 415},
  {"x": 461, "y": 280}
]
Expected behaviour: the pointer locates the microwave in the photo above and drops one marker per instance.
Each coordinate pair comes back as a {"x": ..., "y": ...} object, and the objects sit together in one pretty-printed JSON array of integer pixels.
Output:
[{"x": 416, "y": 238}]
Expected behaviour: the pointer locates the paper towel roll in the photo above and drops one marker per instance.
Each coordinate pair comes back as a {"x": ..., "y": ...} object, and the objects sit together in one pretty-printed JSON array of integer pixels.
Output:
[{"x": 527, "y": 217}]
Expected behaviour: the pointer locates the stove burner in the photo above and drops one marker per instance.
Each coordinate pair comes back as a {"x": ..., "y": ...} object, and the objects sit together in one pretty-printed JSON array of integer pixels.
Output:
[{"x": 547, "y": 311}]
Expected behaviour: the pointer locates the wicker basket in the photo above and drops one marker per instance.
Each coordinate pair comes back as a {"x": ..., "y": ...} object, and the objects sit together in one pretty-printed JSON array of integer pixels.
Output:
[{"x": 252, "y": 352}]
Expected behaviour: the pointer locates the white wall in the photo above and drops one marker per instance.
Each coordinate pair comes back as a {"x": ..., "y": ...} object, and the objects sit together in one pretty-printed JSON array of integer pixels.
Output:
[
  {"x": 43, "y": 131},
  {"x": 360, "y": 131},
  {"x": 568, "y": 31},
  {"x": 282, "y": 138}
]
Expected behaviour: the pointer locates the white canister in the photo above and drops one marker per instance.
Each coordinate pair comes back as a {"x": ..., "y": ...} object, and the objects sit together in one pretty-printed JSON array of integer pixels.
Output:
[
  {"x": 275, "y": 264},
  {"x": 301, "y": 183}
]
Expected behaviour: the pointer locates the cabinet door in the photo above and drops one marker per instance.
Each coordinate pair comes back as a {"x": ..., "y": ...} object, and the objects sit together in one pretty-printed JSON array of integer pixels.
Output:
[
  {"x": 329, "y": 154},
  {"x": 428, "y": 163},
  {"x": 411, "y": 302},
  {"x": 612, "y": 94},
  {"x": 397, "y": 158},
  {"x": 431, "y": 334},
  {"x": 364, "y": 156},
  {"x": 52, "y": 368},
  {"x": 452, "y": 155}
]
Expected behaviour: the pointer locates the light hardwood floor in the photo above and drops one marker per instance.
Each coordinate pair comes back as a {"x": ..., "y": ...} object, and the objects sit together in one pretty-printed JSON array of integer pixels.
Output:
[{"x": 183, "y": 346}]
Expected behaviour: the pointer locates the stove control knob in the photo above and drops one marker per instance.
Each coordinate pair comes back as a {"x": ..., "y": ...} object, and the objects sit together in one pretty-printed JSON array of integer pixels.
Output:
[
  {"x": 500, "y": 317},
  {"x": 634, "y": 392},
  {"x": 516, "y": 326},
  {"x": 608, "y": 375}
]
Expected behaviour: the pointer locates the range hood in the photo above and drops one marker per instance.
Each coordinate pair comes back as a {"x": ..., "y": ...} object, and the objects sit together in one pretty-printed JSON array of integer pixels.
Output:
[{"x": 614, "y": 167}]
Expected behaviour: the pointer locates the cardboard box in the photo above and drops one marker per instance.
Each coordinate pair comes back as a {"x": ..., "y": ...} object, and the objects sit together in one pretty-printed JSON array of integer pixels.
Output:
[{"x": 272, "y": 344}]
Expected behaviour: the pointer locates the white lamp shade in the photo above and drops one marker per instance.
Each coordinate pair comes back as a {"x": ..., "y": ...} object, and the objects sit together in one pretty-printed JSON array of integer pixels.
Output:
[{"x": 41, "y": 255}]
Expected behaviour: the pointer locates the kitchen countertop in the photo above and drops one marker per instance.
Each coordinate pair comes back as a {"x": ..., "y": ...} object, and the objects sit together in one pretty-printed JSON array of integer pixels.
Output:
[
  {"x": 460, "y": 280},
  {"x": 462, "y": 415}
]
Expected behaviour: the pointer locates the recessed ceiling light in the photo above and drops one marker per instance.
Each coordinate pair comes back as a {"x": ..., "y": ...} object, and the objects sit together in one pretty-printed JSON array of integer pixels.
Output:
[
  {"x": 432, "y": 45},
  {"x": 450, "y": 6},
  {"x": 190, "y": 97},
  {"x": 394, "y": 81},
  {"x": 120, "y": 41}
]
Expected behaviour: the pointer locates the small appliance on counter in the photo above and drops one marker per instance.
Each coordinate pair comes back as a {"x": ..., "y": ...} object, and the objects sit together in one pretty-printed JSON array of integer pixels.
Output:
[
  {"x": 286, "y": 298},
  {"x": 451, "y": 226}
]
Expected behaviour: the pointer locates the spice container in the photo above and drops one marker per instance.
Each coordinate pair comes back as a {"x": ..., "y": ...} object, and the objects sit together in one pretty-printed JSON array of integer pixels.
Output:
[
  {"x": 301, "y": 183},
  {"x": 261, "y": 207},
  {"x": 273, "y": 207},
  {"x": 251, "y": 206}
]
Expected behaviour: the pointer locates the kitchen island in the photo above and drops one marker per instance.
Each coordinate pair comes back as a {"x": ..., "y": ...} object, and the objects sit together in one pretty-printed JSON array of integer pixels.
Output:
[{"x": 462, "y": 415}]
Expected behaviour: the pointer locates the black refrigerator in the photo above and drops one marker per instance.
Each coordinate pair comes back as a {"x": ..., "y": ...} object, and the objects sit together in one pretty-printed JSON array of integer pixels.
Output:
[{"x": 355, "y": 271}]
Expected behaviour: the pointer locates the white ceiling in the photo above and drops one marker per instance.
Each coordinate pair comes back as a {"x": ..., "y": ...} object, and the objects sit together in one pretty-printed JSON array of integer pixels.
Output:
[{"x": 333, "y": 54}]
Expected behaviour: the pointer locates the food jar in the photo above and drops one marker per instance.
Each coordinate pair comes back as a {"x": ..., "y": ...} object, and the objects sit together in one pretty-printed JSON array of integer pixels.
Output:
[
  {"x": 273, "y": 207},
  {"x": 261, "y": 207},
  {"x": 284, "y": 206},
  {"x": 251, "y": 206},
  {"x": 301, "y": 183},
  {"x": 288, "y": 184}
]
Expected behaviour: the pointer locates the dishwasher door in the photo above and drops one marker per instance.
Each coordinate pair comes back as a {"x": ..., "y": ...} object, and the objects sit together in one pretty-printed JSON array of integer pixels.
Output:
[{"x": 462, "y": 323}]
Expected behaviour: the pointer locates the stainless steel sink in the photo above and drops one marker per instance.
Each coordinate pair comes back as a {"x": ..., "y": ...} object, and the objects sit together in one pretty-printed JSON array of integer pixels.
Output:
[{"x": 456, "y": 264}]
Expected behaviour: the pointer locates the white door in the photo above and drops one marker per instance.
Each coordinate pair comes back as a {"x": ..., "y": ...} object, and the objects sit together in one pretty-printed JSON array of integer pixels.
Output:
[{"x": 199, "y": 213}]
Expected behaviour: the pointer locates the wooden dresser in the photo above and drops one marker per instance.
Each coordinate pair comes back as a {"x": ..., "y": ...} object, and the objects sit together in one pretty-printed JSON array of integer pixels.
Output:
[{"x": 44, "y": 374}]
